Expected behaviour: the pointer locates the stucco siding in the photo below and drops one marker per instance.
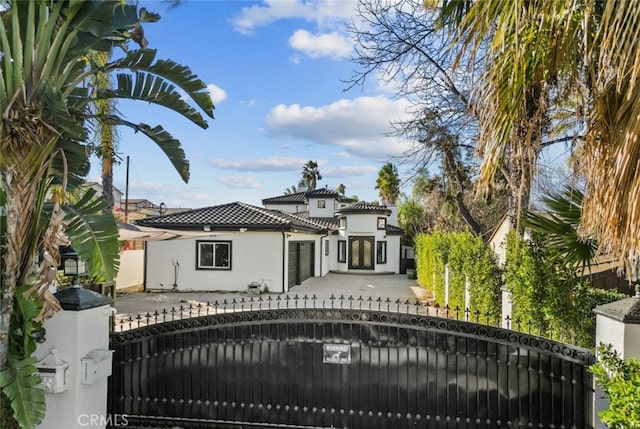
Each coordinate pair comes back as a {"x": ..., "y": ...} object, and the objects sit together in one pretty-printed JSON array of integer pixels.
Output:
[
  {"x": 255, "y": 257},
  {"x": 131, "y": 272}
]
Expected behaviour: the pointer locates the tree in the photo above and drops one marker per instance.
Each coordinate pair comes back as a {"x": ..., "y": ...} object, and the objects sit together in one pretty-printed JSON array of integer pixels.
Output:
[
  {"x": 45, "y": 46},
  {"x": 401, "y": 42},
  {"x": 388, "y": 184},
  {"x": 106, "y": 131},
  {"x": 541, "y": 54},
  {"x": 291, "y": 190},
  {"x": 341, "y": 189},
  {"x": 311, "y": 174},
  {"x": 559, "y": 224}
]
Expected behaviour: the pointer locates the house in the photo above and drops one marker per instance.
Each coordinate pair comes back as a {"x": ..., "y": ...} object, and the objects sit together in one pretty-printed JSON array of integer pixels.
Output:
[{"x": 290, "y": 239}]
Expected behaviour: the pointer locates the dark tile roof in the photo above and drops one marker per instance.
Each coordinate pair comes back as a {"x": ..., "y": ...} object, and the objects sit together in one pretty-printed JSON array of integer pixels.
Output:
[
  {"x": 394, "y": 230},
  {"x": 328, "y": 223},
  {"x": 230, "y": 216},
  {"x": 322, "y": 192},
  {"x": 363, "y": 207},
  {"x": 303, "y": 197},
  {"x": 297, "y": 198}
]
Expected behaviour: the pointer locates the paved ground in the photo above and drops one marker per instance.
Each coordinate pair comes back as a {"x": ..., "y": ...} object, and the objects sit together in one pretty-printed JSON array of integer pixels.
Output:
[{"x": 393, "y": 286}]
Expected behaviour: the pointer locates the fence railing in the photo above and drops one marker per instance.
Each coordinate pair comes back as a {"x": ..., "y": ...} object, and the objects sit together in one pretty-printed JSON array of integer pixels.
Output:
[{"x": 126, "y": 322}]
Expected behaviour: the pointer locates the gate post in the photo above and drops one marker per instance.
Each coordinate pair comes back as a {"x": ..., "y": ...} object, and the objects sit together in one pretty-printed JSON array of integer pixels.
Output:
[
  {"x": 80, "y": 336},
  {"x": 618, "y": 324}
]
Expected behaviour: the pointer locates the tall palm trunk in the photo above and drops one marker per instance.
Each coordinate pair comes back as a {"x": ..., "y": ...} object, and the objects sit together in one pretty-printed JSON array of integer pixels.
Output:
[{"x": 105, "y": 108}]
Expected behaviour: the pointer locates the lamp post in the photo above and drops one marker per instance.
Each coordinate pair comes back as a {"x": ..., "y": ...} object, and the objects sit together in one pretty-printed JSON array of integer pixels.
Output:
[
  {"x": 634, "y": 264},
  {"x": 73, "y": 265}
]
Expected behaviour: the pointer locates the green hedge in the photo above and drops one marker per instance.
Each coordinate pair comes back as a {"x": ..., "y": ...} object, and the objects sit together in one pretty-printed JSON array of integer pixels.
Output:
[
  {"x": 548, "y": 296},
  {"x": 466, "y": 256}
]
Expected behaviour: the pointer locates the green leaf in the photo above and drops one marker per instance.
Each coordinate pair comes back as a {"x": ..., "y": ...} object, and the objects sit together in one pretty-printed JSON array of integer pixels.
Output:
[
  {"x": 19, "y": 381},
  {"x": 93, "y": 235},
  {"x": 169, "y": 145},
  {"x": 168, "y": 70}
]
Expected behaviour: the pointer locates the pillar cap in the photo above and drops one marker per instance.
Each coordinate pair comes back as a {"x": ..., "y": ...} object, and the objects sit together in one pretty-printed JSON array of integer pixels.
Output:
[
  {"x": 626, "y": 310},
  {"x": 79, "y": 298}
]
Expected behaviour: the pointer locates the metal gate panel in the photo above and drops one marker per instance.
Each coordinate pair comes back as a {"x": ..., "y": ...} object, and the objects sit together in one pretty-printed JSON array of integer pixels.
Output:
[
  {"x": 268, "y": 368},
  {"x": 306, "y": 260},
  {"x": 294, "y": 265}
]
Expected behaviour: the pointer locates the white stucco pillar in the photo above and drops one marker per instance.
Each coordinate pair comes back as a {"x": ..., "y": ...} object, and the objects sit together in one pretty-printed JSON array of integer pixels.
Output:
[
  {"x": 618, "y": 324},
  {"x": 80, "y": 331}
]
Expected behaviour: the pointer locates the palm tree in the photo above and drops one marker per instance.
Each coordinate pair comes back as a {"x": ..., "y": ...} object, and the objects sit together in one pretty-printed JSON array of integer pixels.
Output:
[
  {"x": 106, "y": 131},
  {"x": 550, "y": 52},
  {"x": 388, "y": 184},
  {"x": 559, "y": 224},
  {"x": 291, "y": 190},
  {"x": 311, "y": 174},
  {"x": 45, "y": 45}
]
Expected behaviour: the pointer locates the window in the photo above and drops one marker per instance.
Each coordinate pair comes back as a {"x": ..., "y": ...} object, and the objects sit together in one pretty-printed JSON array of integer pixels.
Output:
[
  {"x": 214, "y": 255},
  {"x": 322, "y": 204},
  {"x": 382, "y": 223},
  {"x": 381, "y": 257},
  {"x": 342, "y": 222},
  {"x": 326, "y": 248},
  {"x": 342, "y": 251}
]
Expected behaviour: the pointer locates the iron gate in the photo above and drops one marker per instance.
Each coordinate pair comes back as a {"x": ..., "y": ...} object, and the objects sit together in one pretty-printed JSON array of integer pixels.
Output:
[{"x": 251, "y": 364}]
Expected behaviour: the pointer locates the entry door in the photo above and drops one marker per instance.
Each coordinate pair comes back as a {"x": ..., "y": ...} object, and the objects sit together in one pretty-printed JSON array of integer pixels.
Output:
[{"x": 361, "y": 253}]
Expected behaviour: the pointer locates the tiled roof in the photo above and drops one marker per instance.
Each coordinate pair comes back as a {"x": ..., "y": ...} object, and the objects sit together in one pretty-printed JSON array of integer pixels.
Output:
[
  {"x": 230, "y": 216},
  {"x": 297, "y": 198},
  {"x": 394, "y": 230},
  {"x": 329, "y": 223},
  {"x": 303, "y": 197},
  {"x": 364, "y": 207},
  {"x": 322, "y": 192}
]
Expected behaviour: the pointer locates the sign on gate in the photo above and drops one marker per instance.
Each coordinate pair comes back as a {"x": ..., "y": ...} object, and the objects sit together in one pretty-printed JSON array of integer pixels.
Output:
[{"x": 336, "y": 353}]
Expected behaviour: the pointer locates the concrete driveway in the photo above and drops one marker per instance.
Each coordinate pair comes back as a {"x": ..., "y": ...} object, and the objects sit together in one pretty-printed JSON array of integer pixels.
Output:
[{"x": 376, "y": 286}]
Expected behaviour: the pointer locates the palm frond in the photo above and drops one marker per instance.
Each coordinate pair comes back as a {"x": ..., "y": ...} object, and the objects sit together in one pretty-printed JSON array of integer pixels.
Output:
[
  {"x": 170, "y": 71},
  {"x": 152, "y": 89},
  {"x": 93, "y": 235},
  {"x": 560, "y": 225}
]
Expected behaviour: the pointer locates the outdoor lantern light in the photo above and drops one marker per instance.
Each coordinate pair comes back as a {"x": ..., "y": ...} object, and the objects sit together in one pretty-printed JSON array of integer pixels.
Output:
[
  {"x": 634, "y": 263},
  {"x": 72, "y": 264}
]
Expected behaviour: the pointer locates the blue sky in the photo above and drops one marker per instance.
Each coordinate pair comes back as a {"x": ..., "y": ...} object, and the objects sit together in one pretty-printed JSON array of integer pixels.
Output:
[{"x": 276, "y": 71}]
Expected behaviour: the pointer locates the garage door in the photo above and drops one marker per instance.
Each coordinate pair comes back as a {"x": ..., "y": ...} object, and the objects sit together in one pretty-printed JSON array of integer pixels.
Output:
[{"x": 300, "y": 261}]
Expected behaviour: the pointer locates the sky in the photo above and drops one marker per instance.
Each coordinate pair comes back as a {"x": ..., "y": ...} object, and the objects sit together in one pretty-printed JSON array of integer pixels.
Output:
[{"x": 276, "y": 71}]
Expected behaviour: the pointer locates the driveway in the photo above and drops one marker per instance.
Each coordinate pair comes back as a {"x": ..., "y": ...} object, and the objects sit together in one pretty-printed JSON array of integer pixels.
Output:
[{"x": 376, "y": 286}]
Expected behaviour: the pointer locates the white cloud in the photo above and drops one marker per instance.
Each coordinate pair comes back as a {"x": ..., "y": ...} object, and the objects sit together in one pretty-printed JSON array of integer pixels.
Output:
[
  {"x": 342, "y": 154},
  {"x": 240, "y": 182},
  {"x": 348, "y": 171},
  {"x": 216, "y": 93},
  {"x": 295, "y": 59},
  {"x": 333, "y": 45},
  {"x": 325, "y": 13},
  {"x": 272, "y": 163},
  {"x": 358, "y": 126}
]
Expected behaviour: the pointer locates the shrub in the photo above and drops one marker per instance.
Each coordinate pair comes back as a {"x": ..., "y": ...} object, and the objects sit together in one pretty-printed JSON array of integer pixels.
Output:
[
  {"x": 620, "y": 380},
  {"x": 466, "y": 256}
]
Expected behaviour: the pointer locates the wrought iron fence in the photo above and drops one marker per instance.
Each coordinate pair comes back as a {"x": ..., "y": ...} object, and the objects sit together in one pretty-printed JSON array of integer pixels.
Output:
[
  {"x": 125, "y": 322},
  {"x": 350, "y": 362}
]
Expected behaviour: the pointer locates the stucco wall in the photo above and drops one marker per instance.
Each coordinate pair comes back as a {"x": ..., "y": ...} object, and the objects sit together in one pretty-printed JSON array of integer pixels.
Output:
[
  {"x": 366, "y": 225},
  {"x": 255, "y": 257},
  {"x": 287, "y": 208},
  {"x": 131, "y": 271}
]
